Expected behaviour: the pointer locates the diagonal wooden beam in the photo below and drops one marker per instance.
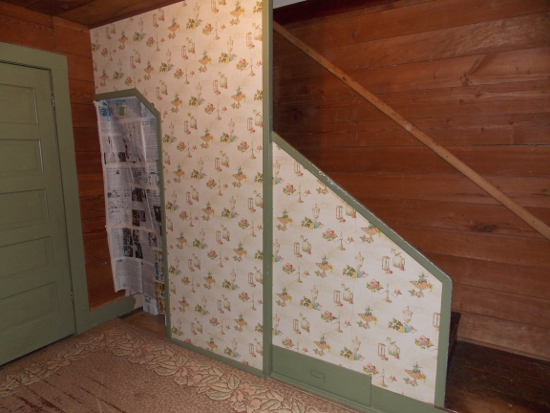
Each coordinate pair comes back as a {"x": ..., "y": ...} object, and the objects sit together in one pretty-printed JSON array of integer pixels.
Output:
[{"x": 447, "y": 156}]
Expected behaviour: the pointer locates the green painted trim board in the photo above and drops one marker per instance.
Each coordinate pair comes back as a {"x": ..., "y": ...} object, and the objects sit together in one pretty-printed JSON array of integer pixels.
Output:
[
  {"x": 217, "y": 357},
  {"x": 267, "y": 44}
]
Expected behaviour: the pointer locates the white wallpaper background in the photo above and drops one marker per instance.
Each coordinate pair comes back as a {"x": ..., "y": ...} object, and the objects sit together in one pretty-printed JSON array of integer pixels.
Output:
[
  {"x": 200, "y": 64},
  {"x": 343, "y": 292}
]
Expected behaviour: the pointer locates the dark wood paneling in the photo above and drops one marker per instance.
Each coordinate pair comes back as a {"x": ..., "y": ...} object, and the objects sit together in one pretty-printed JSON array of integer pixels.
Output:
[
  {"x": 483, "y": 380},
  {"x": 92, "y": 207},
  {"x": 86, "y": 140},
  {"x": 80, "y": 67},
  {"x": 82, "y": 91},
  {"x": 90, "y": 185},
  {"x": 524, "y": 32},
  {"x": 94, "y": 228},
  {"x": 438, "y": 15},
  {"x": 505, "y": 334},
  {"x": 24, "y": 32},
  {"x": 314, "y": 9},
  {"x": 101, "y": 289},
  {"x": 24, "y": 14},
  {"x": 473, "y": 76},
  {"x": 480, "y": 246},
  {"x": 493, "y": 219},
  {"x": 478, "y": 129},
  {"x": 84, "y": 115},
  {"x": 88, "y": 163},
  {"x": 514, "y": 66},
  {"x": 72, "y": 38},
  {"x": 516, "y": 97},
  {"x": 524, "y": 280},
  {"x": 489, "y": 303},
  {"x": 55, "y": 7},
  {"x": 529, "y": 192},
  {"x": 486, "y": 160},
  {"x": 96, "y": 249}
]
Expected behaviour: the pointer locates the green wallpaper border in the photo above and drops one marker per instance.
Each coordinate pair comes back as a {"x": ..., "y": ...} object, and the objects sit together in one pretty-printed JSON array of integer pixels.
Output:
[{"x": 441, "y": 374}]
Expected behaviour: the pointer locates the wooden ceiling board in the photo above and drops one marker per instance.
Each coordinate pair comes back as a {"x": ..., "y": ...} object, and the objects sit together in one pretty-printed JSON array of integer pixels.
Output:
[
  {"x": 99, "y": 12},
  {"x": 22, "y": 3},
  {"x": 55, "y": 7},
  {"x": 94, "y": 13}
]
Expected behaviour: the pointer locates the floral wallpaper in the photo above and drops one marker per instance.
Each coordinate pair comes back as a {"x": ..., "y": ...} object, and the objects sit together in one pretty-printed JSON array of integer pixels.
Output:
[
  {"x": 200, "y": 63},
  {"x": 344, "y": 292}
]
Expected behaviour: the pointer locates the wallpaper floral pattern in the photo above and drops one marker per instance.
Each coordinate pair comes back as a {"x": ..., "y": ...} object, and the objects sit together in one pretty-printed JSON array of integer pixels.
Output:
[
  {"x": 344, "y": 292},
  {"x": 200, "y": 63}
]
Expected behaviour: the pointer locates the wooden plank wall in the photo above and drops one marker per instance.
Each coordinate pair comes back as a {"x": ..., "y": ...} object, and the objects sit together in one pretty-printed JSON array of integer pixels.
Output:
[
  {"x": 39, "y": 31},
  {"x": 473, "y": 75}
]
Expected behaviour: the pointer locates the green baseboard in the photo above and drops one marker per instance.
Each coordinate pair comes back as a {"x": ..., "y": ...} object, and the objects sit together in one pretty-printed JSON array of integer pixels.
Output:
[{"x": 217, "y": 357}]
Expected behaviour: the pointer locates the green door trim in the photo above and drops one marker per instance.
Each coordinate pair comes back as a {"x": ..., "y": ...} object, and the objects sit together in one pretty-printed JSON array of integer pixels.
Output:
[{"x": 57, "y": 66}]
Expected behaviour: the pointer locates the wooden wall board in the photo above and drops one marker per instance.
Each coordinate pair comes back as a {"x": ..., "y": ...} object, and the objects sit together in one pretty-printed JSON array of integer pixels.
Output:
[
  {"x": 528, "y": 310},
  {"x": 494, "y": 219},
  {"x": 479, "y": 246},
  {"x": 16, "y": 10},
  {"x": 92, "y": 207},
  {"x": 82, "y": 91},
  {"x": 88, "y": 163},
  {"x": 55, "y": 7},
  {"x": 72, "y": 38},
  {"x": 529, "y": 192},
  {"x": 101, "y": 289},
  {"x": 91, "y": 185},
  {"x": 96, "y": 249},
  {"x": 523, "y": 32},
  {"x": 94, "y": 228},
  {"x": 478, "y": 83},
  {"x": 478, "y": 129},
  {"x": 505, "y": 335},
  {"x": 484, "y": 380},
  {"x": 84, "y": 115},
  {"x": 86, "y": 140},
  {"x": 524, "y": 280},
  {"x": 497, "y": 99},
  {"x": 80, "y": 67},
  {"x": 415, "y": 19},
  {"x": 26, "y": 33},
  {"x": 491, "y": 68},
  {"x": 487, "y": 160}
]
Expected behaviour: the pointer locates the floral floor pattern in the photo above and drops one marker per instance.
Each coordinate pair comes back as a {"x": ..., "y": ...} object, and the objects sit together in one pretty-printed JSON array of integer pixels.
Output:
[{"x": 120, "y": 368}]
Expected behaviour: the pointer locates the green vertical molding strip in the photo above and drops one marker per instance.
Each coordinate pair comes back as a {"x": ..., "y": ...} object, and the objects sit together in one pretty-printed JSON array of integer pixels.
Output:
[
  {"x": 382, "y": 399},
  {"x": 267, "y": 53}
]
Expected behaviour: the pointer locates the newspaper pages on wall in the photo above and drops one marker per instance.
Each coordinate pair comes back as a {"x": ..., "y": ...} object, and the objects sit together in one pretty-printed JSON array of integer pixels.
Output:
[{"x": 128, "y": 137}]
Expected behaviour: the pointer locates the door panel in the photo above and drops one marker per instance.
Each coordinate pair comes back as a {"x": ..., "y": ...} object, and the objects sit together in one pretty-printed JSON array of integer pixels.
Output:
[{"x": 35, "y": 288}]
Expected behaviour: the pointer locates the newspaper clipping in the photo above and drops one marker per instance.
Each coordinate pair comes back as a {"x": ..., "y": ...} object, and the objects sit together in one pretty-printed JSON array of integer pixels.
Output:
[{"x": 128, "y": 137}]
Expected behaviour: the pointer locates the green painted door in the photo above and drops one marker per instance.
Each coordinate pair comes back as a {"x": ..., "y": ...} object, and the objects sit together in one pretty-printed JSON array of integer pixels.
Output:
[{"x": 36, "y": 307}]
